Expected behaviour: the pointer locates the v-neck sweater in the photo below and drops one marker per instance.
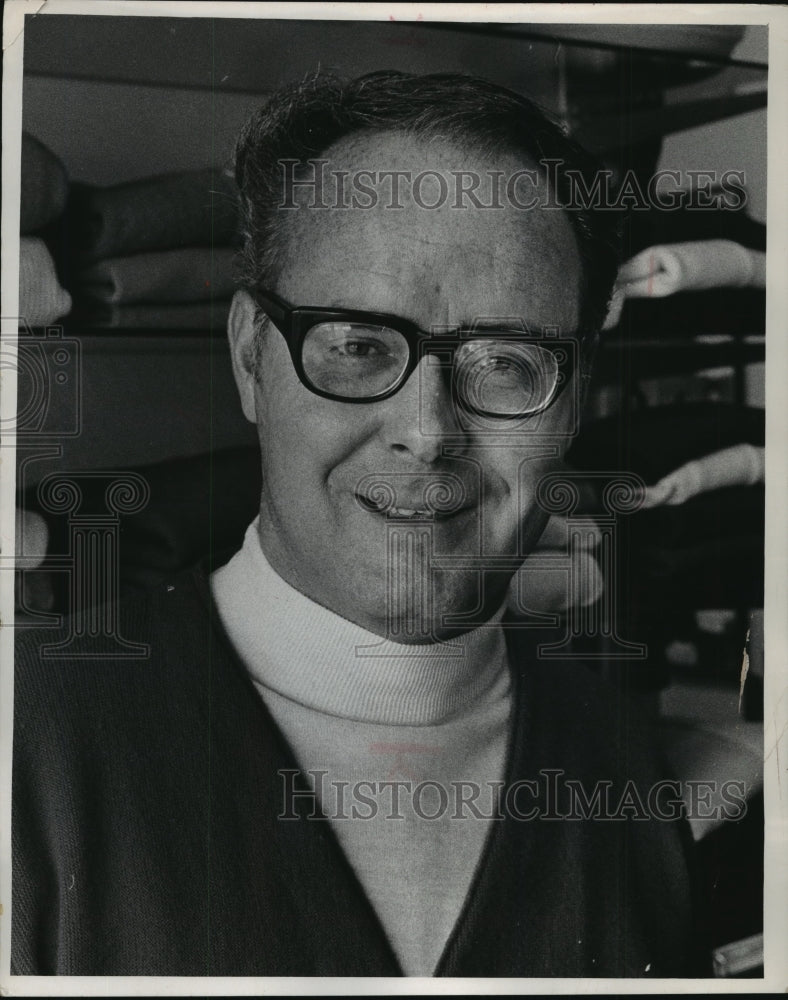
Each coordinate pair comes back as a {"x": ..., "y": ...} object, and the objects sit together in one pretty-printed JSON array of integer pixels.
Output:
[
  {"x": 362, "y": 712},
  {"x": 149, "y": 836}
]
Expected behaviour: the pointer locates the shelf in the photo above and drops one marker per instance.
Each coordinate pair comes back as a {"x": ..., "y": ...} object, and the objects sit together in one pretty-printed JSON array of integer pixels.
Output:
[{"x": 625, "y": 360}]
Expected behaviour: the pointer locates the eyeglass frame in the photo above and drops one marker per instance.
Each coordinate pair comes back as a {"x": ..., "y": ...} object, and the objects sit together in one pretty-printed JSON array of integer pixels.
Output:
[{"x": 295, "y": 322}]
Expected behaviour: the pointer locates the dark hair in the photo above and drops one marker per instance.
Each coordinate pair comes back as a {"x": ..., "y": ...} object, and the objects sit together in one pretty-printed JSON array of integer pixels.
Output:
[{"x": 301, "y": 121}]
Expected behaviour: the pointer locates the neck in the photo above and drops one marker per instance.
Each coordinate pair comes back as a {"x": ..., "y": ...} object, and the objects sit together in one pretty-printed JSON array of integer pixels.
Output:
[{"x": 308, "y": 653}]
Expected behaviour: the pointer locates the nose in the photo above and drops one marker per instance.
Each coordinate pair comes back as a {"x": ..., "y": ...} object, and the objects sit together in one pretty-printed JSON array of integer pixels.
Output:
[{"x": 420, "y": 418}]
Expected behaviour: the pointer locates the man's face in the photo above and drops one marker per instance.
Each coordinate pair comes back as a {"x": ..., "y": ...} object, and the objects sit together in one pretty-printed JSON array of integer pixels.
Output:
[{"x": 439, "y": 268}]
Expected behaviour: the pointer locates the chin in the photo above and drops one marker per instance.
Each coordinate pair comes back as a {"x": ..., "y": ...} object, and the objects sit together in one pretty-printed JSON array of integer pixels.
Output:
[{"x": 430, "y": 608}]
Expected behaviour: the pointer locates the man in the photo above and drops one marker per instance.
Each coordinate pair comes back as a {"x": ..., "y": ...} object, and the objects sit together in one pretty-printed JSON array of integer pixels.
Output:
[{"x": 337, "y": 760}]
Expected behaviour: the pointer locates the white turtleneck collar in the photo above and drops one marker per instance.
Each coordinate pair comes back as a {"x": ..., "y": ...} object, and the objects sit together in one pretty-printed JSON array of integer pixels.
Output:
[{"x": 312, "y": 656}]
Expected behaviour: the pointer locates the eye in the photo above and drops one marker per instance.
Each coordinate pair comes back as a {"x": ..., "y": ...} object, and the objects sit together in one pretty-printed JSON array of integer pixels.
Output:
[
  {"x": 359, "y": 348},
  {"x": 353, "y": 359},
  {"x": 506, "y": 378},
  {"x": 498, "y": 363}
]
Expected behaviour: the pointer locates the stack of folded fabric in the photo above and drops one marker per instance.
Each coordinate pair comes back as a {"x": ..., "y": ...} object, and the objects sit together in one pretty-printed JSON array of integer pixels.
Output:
[
  {"x": 43, "y": 190},
  {"x": 155, "y": 253}
]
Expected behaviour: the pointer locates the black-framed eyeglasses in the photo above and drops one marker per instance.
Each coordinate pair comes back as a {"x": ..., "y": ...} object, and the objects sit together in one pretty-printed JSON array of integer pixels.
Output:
[{"x": 365, "y": 357}]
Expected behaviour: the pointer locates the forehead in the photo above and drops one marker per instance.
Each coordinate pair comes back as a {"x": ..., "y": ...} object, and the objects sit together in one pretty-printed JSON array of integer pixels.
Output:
[{"x": 426, "y": 229}]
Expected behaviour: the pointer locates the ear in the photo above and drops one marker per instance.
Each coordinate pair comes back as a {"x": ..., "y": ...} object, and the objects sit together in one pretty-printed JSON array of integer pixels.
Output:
[{"x": 242, "y": 335}]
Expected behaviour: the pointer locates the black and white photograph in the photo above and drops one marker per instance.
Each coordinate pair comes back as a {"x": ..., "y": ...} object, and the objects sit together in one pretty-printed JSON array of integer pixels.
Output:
[{"x": 391, "y": 496}]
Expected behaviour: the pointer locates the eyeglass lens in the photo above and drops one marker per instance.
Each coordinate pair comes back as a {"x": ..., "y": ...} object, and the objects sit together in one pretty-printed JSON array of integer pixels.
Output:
[{"x": 356, "y": 361}]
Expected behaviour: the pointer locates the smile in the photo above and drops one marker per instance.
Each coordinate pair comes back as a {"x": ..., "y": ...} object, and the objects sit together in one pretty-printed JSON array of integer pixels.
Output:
[{"x": 383, "y": 507}]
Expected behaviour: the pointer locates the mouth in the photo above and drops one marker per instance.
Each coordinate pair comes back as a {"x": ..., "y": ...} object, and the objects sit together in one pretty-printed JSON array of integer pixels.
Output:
[{"x": 403, "y": 512}]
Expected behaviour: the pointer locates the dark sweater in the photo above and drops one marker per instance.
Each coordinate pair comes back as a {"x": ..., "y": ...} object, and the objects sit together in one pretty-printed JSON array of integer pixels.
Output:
[{"x": 146, "y": 838}]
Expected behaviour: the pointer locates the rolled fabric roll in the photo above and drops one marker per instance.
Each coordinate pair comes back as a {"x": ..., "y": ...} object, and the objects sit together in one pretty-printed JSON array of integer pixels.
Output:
[
  {"x": 547, "y": 590},
  {"x": 32, "y": 539},
  {"x": 614, "y": 309},
  {"x": 552, "y": 591},
  {"x": 683, "y": 267},
  {"x": 32, "y": 591},
  {"x": 210, "y": 315},
  {"x": 194, "y": 208},
  {"x": 740, "y": 465},
  {"x": 43, "y": 186},
  {"x": 189, "y": 274},
  {"x": 41, "y": 298}
]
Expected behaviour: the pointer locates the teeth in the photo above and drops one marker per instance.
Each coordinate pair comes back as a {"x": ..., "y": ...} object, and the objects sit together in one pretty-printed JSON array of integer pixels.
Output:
[{"x": 404, "y": 512}]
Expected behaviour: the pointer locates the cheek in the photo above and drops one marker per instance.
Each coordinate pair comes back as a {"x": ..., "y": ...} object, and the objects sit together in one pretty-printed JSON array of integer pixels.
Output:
[
  {"x": 515, "y": 464},
  {"x": 305, "y": 441},
  {"x": 293, "y": 451}
]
